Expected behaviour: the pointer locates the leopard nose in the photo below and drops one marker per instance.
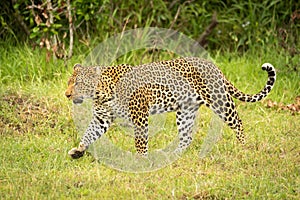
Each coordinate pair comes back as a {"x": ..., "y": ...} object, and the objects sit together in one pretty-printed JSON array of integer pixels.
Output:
[{"x": 68, "y": 95}]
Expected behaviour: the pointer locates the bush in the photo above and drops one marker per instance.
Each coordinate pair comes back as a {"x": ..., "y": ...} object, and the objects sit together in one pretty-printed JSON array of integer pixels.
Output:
[{"x": 242, "y": 24}]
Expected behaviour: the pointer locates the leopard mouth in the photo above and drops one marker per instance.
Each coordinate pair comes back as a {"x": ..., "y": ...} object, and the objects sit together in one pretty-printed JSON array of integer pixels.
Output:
[{"x": 78, "y": 100}]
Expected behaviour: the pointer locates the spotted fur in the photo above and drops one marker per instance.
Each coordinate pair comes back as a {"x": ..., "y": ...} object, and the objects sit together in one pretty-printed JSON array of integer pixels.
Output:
[{"x": 135, "y": 92}]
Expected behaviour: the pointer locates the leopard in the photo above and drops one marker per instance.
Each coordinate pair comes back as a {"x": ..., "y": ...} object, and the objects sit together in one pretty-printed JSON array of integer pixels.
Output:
[{"x": 134, "y": 92}]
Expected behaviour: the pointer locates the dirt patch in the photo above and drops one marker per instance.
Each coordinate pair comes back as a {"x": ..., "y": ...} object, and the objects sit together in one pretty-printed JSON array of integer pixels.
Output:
[
  {"x": 294, "y": 108},
  {"x": 24, "y": 113}
]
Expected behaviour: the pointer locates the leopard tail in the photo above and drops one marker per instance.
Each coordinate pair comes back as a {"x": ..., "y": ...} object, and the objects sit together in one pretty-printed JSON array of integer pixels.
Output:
[{"x": 233, "y": 91}]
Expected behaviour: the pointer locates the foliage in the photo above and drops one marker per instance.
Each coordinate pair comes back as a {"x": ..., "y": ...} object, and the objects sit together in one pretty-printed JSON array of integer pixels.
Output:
[{"x": 242, "y": 24}]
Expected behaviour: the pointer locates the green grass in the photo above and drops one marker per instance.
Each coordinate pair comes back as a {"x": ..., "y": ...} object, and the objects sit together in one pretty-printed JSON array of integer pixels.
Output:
[{"x": 36, "y": 130}]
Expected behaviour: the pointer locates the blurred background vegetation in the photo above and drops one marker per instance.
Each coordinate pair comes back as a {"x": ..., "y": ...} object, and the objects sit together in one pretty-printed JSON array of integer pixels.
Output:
[
  {"x": 58, "y": 29},
  {"x": 241, "y": 24}
]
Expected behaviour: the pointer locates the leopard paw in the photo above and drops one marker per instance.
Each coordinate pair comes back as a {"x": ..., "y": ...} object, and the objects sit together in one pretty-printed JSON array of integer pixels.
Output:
[
  {"x": 75, "y": 153},
  {"x": 179, "y": 151}
]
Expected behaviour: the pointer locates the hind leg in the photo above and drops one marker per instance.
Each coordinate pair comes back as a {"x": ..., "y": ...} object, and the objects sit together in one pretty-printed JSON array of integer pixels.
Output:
[
  {"x": 139, "y": 114},
  {"x": 185, "y": 118},
  {"x": 141, "y": 139},
  {"x": 140, "y": 121},
  {"x": 224, "y": 107}
]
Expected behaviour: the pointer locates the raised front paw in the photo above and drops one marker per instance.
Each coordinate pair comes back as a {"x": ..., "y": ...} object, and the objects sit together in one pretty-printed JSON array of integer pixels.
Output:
[{"x": 75, "y": 153}]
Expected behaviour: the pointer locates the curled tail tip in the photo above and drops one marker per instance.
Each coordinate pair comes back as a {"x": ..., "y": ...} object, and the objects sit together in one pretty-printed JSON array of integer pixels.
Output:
[{"x": 268, "y": 67}]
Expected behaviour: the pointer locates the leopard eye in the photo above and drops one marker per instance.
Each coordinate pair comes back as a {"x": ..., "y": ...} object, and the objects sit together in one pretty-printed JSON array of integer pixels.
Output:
[{"x": 77, "y": 80}]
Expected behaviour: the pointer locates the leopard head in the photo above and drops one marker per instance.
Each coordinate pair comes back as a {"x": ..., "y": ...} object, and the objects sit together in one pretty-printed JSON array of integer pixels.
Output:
[{"x": 82, "y": 83}]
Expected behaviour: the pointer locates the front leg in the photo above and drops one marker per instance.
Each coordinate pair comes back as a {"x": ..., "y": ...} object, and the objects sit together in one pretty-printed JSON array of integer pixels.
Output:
[{"x": 102, "y": 119}]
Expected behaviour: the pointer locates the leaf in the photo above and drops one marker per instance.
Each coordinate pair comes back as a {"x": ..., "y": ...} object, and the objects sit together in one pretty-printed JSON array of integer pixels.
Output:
[
  {"x": 16, "y": 6},
  {"x": 35, "y": 29},
  {"x": 293, "y": 107},
  {"x": 48, "y": 23},
  {"x": 33, "y": 35},
  {"x": 53, "y": 31},
  {"x": 86, "y": 17},
  {"x": 56, "y": 25},
  {"x": 37, "y": 20}
]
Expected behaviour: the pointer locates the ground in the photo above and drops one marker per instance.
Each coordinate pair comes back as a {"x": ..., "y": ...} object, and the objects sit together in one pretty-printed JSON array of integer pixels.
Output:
[{"x": 37, "y": 130}]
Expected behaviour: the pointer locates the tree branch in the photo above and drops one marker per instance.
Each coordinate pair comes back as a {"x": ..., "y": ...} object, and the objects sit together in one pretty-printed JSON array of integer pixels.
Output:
[
  {"x": 70, "y": 29},
  {"x": 202, "y": 38},
  {"x": 20, "y": 20}
]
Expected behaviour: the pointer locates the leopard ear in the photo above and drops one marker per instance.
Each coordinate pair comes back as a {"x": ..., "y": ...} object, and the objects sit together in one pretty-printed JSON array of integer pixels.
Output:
[{"x": 77, "y": 67}]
